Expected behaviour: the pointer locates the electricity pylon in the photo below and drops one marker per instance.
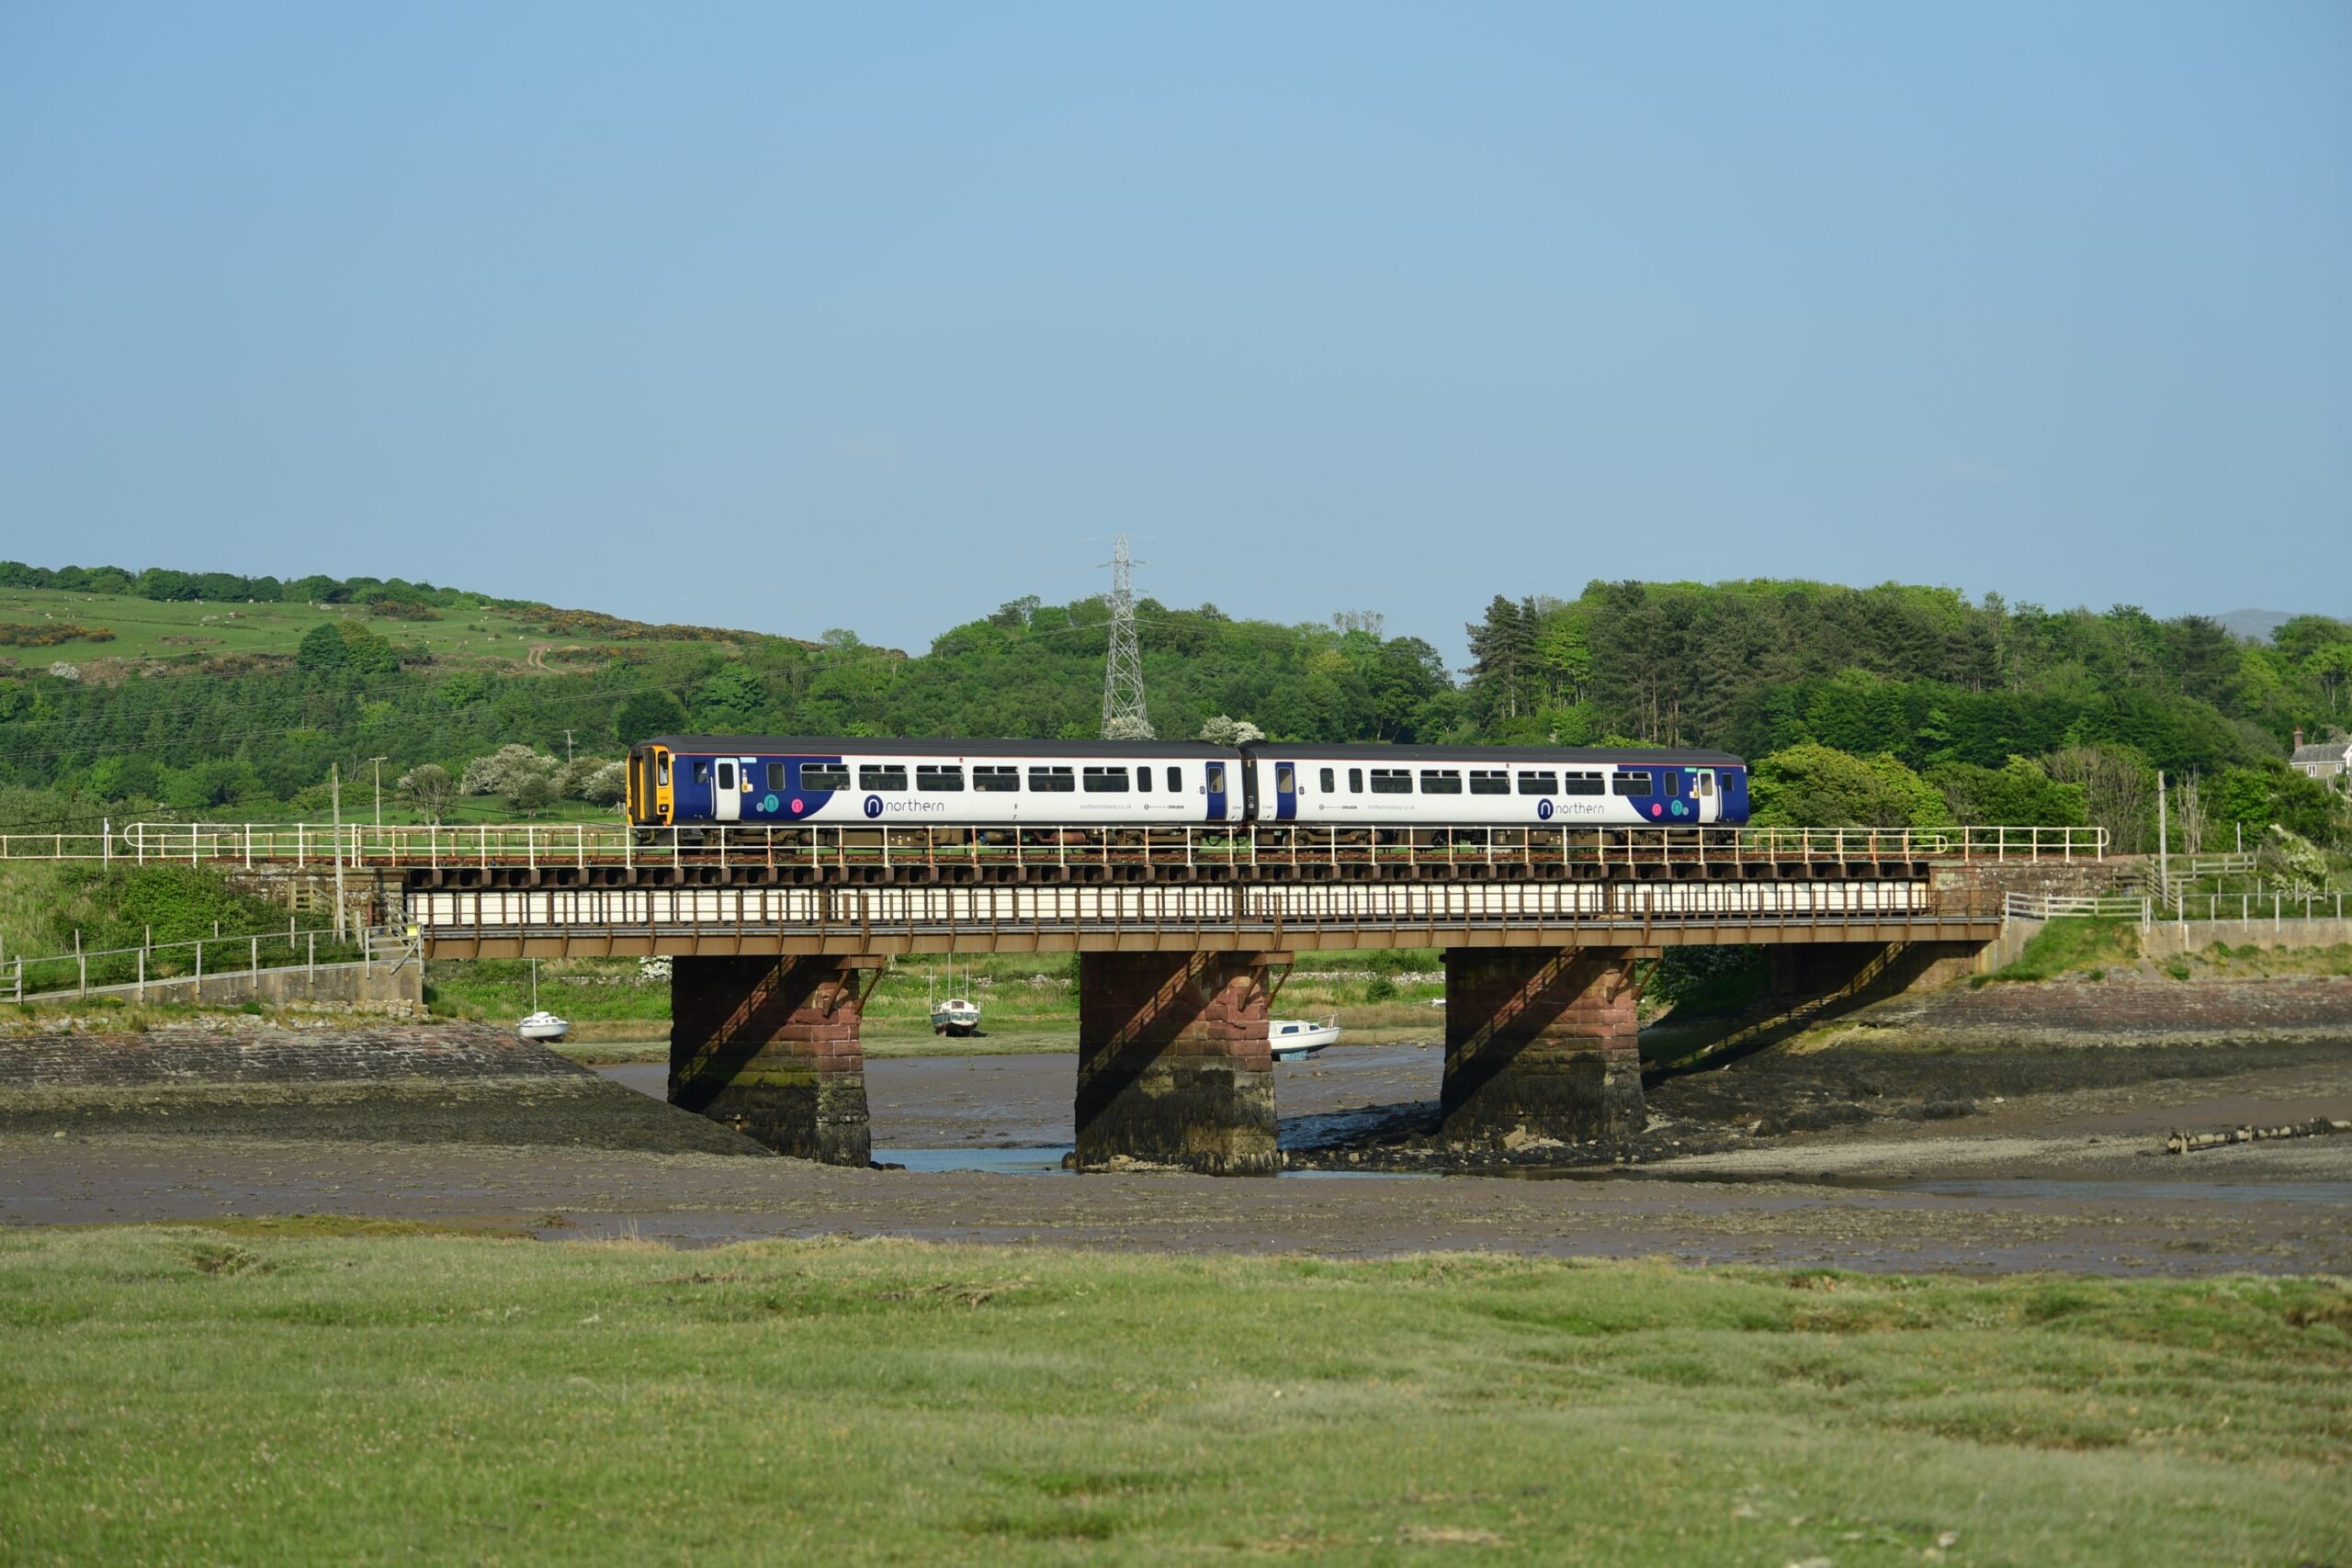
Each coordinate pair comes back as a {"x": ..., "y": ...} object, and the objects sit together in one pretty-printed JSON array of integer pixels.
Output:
[{"x": 1123, "y": 712}]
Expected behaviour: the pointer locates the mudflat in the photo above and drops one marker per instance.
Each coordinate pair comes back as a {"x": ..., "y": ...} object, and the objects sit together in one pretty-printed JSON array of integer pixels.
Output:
[{"x": 2072, "y": 1179}]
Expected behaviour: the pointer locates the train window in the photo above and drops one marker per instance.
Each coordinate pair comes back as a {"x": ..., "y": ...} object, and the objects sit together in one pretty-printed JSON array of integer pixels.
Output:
[
  {"x": 1490, "y": 781},
  {"x": 1175, "y": 781},
  {"x": 1286, "y": 779},
  {"x": 1355, "y": 781},
  {"x": 776, "y": 775},
  {"x": 1106, "y": 781},
  {"x": 1630, "y": 781},
  {"x": 1580, "y": 783},
  {"x": 1706, "y": 783},
  {"x": 1328, "y": 780},
  {"x": 1391, "y": 781},
  {"x": 996, "y": 781},
  {"x": 1539, "y": 783},
  {"x": 939, "y": 777},
  {"x": 702, "y": 773},
  {"x": 1053, "y": 781},
  {"x": 726, "y": 774},
  {"x": 661, "y": 769},
  {"x": 881, "y": 775},
  {"x": 1216, "y": 778},
  {"x": 824, "y": 776},
  {"x": 1441, "y": 781}
]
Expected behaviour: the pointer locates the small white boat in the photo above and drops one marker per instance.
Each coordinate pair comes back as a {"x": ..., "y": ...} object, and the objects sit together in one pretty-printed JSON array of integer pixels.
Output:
[
  {"x": 1293, "y": 1038},
  {"x": 955, "y": 1016},
  {"x": 540, "y": 1024}
]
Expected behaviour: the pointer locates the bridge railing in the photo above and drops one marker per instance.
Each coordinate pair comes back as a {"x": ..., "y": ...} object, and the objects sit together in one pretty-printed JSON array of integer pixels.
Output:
[{"x": 583, "y": 844}]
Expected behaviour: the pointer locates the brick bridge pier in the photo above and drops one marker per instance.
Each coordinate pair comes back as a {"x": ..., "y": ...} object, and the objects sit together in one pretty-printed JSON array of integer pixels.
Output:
[{"x": 1175, "y": 1067}]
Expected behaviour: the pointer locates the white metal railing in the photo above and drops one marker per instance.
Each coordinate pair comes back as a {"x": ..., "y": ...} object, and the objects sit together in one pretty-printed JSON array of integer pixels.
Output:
[
  {"x": 2275, "y": 908},
  {"x": 581, "y": 845},
  {"x": 160, "y": 966},
  {"x": 2046, "y": 907}
]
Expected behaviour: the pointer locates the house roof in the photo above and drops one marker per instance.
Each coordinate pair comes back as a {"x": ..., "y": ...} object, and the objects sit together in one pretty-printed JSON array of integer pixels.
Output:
[{"x": 2334, "y": 750}]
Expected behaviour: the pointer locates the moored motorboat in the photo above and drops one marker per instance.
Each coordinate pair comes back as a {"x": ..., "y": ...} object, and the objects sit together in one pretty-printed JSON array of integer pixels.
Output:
[
  {"x": 957, "y": 1016},
  {"x": 1293, "y": 1038}
]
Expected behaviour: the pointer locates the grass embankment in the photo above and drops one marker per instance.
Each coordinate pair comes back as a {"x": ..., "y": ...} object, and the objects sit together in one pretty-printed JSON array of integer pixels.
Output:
[
  {"x": 2094, "y": 946},
  {"x": 384, "y": 1395},
  {"x": 2084, "y": 945}
]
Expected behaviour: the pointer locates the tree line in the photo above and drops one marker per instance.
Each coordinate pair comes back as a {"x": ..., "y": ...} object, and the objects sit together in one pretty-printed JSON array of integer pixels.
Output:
[
  {"x": 166, "y": 585},
  {"x": 1864, "y": 705}
]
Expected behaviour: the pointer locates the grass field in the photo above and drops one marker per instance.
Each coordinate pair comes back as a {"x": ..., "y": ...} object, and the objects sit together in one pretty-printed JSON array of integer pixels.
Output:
[{"x": 280, "y": 1392}]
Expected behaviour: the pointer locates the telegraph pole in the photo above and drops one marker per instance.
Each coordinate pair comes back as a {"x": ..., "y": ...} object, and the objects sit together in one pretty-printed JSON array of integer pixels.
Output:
[
  {"x": 567, "y": 748},
  {"x": 379, "y": 789},
  {"x": 1123, "y": 710},
  {"x": 335, "y": 795}
]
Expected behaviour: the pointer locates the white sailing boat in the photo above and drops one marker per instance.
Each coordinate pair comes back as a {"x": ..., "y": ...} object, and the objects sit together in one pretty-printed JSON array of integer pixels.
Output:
[
  {"x": 956, "y": 1017},
  {"x": 542, "y": 1025},
  {"x": 1293, "y": 1038}
]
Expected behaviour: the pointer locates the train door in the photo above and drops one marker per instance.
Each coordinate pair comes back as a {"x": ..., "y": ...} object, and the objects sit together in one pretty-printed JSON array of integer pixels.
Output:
[
  {"x": 1285, "y": 792},
  {"x": 1215, "y": 788},
  {"x": 727, "y": 790},
  {"x": 1709, "y": 804}
]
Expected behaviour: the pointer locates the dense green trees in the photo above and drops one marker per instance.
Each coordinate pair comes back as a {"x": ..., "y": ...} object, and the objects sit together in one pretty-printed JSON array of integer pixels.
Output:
[{"x": 1941, "y": 708}]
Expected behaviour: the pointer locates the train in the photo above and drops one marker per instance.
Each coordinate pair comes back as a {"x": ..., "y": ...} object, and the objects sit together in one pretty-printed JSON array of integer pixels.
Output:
[{"x": 705, "y": 781}]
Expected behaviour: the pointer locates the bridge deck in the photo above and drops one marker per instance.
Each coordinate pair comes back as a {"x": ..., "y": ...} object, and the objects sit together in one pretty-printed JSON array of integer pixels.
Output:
[{"x": 499, "y": 923}]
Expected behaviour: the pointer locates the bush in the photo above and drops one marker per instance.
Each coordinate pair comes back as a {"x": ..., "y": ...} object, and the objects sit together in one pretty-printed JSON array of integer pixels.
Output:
[
  {"x": 1817, "y": 786},
  {"x": 503, "y": 770}
]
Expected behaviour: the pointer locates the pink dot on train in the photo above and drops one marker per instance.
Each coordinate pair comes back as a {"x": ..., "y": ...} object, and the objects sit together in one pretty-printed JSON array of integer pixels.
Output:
[{"x": 797, "y": 807}]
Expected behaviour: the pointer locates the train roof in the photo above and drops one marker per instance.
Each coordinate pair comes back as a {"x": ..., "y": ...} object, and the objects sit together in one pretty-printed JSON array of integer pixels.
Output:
[
  {"x": 1561, "y": 755},
  {"x": 894, "y": 746},
  {"x": 891, "y": 746}
]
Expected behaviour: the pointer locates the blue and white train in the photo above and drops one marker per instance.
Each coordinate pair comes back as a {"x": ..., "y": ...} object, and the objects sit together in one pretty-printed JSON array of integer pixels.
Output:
[{"x": 701, "y": 779}]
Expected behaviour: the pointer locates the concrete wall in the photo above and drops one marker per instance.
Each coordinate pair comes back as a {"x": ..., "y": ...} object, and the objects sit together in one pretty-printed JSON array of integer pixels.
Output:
[{"x": 2167, "y": 938}]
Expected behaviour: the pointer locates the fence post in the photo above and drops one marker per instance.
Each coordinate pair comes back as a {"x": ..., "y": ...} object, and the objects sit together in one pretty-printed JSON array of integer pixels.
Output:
[
  {"x": 142, "y": 975},
  {"x": 311, "y": 962},
  {"x": 198, "y": 997},
  {"x": 81, "y": 965}
]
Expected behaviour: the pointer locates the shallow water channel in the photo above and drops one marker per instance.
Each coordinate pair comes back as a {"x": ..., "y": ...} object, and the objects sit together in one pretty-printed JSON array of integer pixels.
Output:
[{"x": 1011, "y": 1115}]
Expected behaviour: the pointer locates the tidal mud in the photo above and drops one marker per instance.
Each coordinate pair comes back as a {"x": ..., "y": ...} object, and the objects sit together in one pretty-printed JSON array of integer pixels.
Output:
[{"x": 2068, "y": 1180}]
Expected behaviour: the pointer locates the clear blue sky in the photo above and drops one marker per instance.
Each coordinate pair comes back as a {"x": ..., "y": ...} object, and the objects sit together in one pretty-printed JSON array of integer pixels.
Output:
[{"x": 794, "y": 317}]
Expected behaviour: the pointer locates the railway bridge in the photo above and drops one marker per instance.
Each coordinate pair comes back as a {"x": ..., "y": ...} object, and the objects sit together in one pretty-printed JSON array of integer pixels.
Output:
[{"x": 1184, "y": 936}]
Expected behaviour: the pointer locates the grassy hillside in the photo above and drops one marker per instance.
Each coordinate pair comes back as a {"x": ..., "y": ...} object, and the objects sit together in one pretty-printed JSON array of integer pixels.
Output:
[{"x": 194, "y": 633}]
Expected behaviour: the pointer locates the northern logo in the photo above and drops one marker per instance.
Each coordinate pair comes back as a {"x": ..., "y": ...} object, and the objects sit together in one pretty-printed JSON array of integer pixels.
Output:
[
  {"x": 1543, "y": 809},
  {"x": 874, "y": 805}
]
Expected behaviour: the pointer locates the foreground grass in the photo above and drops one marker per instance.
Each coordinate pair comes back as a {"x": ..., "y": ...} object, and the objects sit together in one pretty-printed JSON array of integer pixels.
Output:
[{"x": 261, "y": 1393}]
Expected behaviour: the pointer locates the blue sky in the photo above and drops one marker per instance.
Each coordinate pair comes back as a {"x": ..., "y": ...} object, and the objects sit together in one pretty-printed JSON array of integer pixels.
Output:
[{"x": 802, "y": 317}]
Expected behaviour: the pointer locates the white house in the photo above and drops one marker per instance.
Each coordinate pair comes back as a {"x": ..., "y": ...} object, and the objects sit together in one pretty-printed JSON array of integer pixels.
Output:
[{"x": 2329, "y": 761}]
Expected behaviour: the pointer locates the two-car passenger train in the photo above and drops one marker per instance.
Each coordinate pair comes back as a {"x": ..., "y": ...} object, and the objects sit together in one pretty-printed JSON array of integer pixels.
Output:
[{"x": 703, "y": 780}]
